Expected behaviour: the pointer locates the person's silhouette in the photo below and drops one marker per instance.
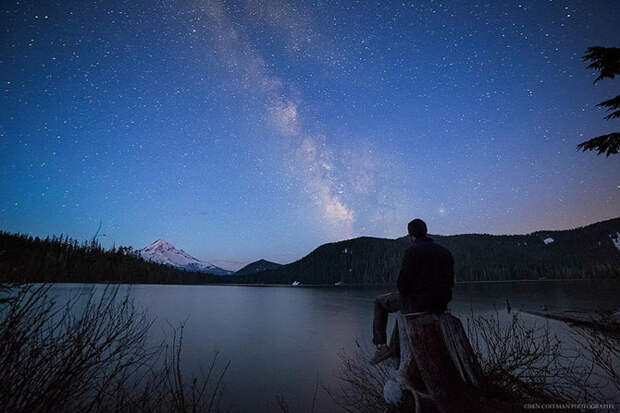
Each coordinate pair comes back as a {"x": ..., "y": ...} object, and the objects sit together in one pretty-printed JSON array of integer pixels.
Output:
[{"x": 424, "y": 285}]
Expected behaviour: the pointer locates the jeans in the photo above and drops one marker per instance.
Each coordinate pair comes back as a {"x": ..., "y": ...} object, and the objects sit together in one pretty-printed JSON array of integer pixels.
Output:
[
  {"x": 391, "y": 303},
  {"x": 385, "y": 304}
]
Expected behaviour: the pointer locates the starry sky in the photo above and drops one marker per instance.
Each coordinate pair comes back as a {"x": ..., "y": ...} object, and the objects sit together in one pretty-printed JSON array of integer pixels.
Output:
[{"x": 263, "y": 128}]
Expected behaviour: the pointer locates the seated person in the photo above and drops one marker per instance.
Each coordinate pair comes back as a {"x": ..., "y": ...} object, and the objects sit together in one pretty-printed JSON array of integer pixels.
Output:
[{"x": 424, "y": 285}]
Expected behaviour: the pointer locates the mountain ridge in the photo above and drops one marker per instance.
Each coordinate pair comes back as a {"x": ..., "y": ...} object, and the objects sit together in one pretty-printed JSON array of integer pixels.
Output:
[
  {"x": 257, "y": 266},
  {"x": 591, "y": 251}
]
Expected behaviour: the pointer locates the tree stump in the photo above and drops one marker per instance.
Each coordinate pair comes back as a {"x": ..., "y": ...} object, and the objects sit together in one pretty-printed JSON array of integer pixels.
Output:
[{"x": 438, "y": 370}]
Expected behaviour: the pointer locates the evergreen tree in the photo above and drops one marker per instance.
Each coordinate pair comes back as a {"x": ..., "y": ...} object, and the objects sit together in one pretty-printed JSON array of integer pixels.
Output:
[{"x": 607, "y": 61}]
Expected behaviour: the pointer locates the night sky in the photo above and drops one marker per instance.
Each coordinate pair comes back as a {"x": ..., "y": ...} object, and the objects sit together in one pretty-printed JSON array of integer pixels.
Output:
[{"x": 261, "y": 129}]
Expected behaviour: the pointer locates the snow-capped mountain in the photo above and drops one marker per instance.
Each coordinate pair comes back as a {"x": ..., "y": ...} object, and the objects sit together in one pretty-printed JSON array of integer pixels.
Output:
[{"x": 163, "y": 252}]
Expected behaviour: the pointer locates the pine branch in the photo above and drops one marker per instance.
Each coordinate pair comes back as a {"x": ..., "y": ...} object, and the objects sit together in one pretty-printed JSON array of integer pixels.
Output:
[
  {"x": 609, "y": 144},
  {"x": 612, "y": 104},
  {"x": 604, "y": 59}
]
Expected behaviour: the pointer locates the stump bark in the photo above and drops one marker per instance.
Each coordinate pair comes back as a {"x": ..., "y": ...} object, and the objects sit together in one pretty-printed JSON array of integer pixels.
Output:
[{"x": 438, "y": 370}]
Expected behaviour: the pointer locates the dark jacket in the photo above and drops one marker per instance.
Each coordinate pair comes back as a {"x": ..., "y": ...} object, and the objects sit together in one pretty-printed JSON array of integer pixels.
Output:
[{"x": 426, "y": 277}]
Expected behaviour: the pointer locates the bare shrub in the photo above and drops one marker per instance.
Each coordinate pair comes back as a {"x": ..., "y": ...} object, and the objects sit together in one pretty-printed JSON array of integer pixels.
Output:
[
  {"x": 521, "y": 361},
  {"x": 283, "y": 406},
  {"x": 525, "y": 362},
  {"x": 91, "y": 355},
  {"x": 600, "y": 344},
  {"x": 361, "y": 388},
  {"x": 194, "y": 397}
]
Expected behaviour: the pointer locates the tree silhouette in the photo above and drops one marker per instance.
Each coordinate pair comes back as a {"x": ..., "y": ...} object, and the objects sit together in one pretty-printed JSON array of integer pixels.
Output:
[{"x": 607, "y": 61}]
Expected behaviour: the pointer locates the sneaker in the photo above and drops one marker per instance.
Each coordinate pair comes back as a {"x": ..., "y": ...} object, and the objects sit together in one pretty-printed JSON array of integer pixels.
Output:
[{"x": 382, "y": 353}]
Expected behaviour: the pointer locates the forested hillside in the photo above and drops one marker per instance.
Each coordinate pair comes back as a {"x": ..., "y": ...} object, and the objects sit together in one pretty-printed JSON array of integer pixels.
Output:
[
  {"x": 27, "y": 259},
  {"x": 258, "y": 266},
  {"x": 591, "y": 252},
  {"x": 587, "y": 252}
]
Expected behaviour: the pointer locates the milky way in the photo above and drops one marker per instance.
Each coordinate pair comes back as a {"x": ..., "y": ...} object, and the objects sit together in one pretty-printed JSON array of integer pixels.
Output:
[{"x": 260, "y": 129}]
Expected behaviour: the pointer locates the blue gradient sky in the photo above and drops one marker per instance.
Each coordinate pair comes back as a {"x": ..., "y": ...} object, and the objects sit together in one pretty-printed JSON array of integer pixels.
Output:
[{"x": 261, "y": 129}]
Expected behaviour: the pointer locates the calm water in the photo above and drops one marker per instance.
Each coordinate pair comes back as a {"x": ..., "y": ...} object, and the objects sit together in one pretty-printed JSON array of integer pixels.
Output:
[{"x": 281, "y": 340}]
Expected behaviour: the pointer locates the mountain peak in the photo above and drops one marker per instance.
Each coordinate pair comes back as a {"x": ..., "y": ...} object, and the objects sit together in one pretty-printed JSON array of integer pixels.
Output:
[
  {"x": 158, "y": 242},
  {"x": 258, "y": 266},
  {"x": 163, "y": 252}
]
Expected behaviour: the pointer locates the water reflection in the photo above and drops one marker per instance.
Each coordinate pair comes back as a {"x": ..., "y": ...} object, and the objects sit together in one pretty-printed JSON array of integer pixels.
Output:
[{"x": 281, "y": 340}]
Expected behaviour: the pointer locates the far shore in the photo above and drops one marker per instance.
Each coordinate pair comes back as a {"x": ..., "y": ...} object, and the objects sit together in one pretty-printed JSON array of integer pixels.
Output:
[{"x": 391, "y": 285}]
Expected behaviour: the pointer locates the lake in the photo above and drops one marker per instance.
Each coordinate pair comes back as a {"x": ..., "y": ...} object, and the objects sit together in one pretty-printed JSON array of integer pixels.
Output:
[{"x": 281, "y": 340}]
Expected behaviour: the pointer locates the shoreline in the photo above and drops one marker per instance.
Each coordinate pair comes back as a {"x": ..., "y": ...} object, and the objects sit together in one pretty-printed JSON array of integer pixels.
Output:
[
  {"x": 391, "y": 285},
  {"x": 324, "y": 285}
]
